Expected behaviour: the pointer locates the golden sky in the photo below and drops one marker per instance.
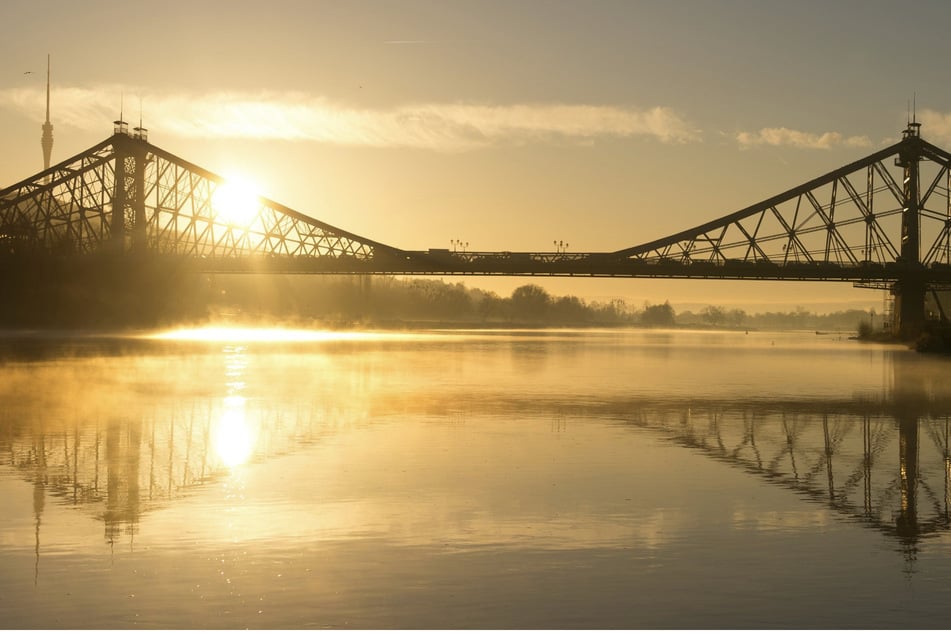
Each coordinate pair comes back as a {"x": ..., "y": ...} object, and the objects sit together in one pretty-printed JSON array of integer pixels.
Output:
[{"x": 506, "y": 125}]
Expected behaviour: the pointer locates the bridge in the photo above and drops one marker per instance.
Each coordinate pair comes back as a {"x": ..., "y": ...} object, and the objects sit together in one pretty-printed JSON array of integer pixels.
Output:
[{"x": 883, "y": 221}]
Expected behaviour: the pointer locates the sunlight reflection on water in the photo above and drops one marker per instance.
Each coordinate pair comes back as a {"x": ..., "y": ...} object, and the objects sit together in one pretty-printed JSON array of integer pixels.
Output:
[
  {"x": 234, "y": 436},
  {"x": 277, "y": 335}
]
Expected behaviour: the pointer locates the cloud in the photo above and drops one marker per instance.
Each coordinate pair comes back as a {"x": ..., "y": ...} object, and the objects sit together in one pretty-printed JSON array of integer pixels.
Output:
[
  {"x": 935, "y": 126},
  {"x": 802, "y": 140},
  {"x": 297, "y": 116}
]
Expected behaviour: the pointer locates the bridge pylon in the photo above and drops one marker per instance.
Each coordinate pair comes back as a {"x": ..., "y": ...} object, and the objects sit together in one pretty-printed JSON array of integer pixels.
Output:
[
  {"x": 129, "y": 221},
  {"x": 909, "y": 289}
]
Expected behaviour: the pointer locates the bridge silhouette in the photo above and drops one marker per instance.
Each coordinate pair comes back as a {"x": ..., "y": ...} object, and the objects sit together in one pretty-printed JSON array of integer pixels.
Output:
[{"x": 883, "y": 222}]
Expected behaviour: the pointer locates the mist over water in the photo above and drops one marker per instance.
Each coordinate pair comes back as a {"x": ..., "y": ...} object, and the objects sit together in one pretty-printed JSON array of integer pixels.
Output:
[{"x": 561, "y": 478}]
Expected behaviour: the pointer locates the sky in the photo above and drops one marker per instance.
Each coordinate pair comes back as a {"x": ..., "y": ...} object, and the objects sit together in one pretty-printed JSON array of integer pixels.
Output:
[{"x": 508, "y": 126}]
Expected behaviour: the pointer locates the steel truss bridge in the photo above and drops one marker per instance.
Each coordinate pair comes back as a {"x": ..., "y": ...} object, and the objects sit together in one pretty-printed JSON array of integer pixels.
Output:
[{"x": 883, "y": 221}]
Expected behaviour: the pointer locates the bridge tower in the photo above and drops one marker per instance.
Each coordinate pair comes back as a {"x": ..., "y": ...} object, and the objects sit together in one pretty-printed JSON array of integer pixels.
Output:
[
  {"x": 909, "y": 290},
  {"x": 129, "y": 220}
]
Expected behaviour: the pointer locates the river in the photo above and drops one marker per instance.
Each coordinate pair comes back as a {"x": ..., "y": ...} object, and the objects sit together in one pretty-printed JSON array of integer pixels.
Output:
[{"x": 472, "y": 479}]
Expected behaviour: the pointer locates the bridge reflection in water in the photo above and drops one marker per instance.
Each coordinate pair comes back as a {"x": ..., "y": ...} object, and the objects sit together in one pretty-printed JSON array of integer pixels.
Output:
[
  {"x": 884, "y": 463},
  {"x": 82, "y": 451},
  {"x": 880, "y": 459}
]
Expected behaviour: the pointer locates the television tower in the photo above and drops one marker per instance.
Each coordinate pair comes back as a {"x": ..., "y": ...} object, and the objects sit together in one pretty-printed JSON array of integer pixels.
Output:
[{"x": 47, "y": 140}]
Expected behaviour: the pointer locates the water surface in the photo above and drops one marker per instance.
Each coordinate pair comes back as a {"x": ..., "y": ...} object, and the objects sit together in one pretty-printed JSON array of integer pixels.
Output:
[{"x": 509, "y": 479}]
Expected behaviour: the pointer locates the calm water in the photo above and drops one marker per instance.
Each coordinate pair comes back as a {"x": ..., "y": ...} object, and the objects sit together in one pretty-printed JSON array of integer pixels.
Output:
[{"x": 640, "y": 479}]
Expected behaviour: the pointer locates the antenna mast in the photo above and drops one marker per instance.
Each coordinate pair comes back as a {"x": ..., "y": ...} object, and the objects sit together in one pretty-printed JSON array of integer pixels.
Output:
[
  {"x": 46, "y": 141},
  {"x": 47, "y": 88},
  {"x": 119, "y": 125},
  {"x": 140, "y": 132}
]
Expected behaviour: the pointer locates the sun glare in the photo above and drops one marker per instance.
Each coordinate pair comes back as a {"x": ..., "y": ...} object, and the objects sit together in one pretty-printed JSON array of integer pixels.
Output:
[
  {"x": 272, "y": 335},
  {"x": 233, "y": 435},
  {"x": 236, "y": 202},
  {"x": 237, "y": 334}
]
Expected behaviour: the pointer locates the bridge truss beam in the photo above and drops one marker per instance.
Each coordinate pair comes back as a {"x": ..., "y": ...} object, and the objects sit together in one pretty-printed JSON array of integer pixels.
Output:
[
  {"x": 861, "y": 215},
  {"x": 125, "y": 195}
]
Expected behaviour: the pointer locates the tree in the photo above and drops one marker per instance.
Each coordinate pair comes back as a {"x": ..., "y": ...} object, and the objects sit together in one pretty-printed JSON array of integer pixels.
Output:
[
  {"x": 658, "y": 314},
  {"x": 530, "y": 302},
  {"x": 736, "y": 317},
  {"x": 713, "y": 315},
  {"x": 491, "y": 306},
  {"x": 569, "y": 310}
]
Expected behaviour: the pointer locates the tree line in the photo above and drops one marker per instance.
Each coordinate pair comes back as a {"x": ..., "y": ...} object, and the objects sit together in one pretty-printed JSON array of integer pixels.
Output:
[{"x": 389, "y": 301}]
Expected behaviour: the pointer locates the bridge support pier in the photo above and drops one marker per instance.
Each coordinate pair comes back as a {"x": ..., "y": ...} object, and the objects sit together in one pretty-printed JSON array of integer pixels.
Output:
[{"x": 909, "y": 320}]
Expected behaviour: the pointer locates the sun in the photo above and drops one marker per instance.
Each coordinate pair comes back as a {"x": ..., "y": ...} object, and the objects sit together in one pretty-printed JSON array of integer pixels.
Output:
[{"x": 236, "y": 202}]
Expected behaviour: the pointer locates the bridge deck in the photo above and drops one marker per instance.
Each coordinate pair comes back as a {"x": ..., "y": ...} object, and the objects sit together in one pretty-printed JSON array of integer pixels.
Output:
[{"x": 489, "y": 263}]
